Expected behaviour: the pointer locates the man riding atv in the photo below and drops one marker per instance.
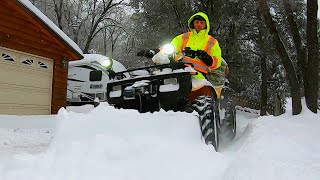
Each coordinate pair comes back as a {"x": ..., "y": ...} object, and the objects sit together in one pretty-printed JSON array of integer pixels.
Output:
[
  {"x": 201, "y": 50},
  {"x": 189, "y": 75}
]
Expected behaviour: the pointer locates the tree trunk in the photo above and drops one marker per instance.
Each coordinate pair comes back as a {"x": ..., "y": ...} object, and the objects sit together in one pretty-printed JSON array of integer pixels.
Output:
[
  {"x": 300, "y": 48},
  {"x": 178, "y": 18},
  {"x": 87, "y": 46},
  {"x": 277, "y": 106},
  {"x": 58, "y": 11},
  {"x": 264, "y": 86},
  {"x": 97, "y": 18},
  {"x": 264, "y": 70},
  {"x": 290, "y": 72},
  {"x": 311, "y": 89},
  {"x": 105, "y": 42}
]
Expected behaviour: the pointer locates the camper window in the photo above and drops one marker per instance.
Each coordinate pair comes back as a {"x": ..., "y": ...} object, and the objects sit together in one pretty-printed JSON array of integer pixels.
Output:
[{"x": 95, "y": 75}]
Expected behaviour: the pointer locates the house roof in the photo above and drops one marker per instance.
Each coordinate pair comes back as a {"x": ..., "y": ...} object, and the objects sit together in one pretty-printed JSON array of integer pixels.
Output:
[{"x": 28, "y": 5}]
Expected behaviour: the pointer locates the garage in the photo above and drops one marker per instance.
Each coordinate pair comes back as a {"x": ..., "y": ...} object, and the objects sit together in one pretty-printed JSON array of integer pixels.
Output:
[
  {"x": 34, "y": 56},
  {"x": 25, "y": 83}
]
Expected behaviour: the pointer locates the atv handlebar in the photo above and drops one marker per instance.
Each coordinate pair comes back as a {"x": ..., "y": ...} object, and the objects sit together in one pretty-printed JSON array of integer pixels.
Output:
[{"x": 172, "y": 65}]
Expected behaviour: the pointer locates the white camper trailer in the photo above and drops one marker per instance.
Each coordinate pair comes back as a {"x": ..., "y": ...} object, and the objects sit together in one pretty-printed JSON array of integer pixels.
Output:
[{"x": 88, "y": 78}]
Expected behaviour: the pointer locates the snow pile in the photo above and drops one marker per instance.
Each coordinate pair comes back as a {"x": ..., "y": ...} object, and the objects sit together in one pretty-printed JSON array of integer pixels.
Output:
[
  {"x": 121, "y": 144},
  {"x": 28, "y": 122},
  {"x": 106, "y": 143},
  {"x": 89, "y": 59},
  {"x": 279, "y": 148},
  {"x": 15, "y": 141}
]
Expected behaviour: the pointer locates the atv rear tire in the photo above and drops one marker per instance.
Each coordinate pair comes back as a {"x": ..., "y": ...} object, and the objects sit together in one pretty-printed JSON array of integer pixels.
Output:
[
  {"x": 228, "y": 123},
  {"x": 209, "y": 125},
  {"x": 228, "y": 128}
]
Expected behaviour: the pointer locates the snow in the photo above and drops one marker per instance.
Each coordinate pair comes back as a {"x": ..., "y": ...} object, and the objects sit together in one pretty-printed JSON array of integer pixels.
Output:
[
  {"x": 140, "y": 83},
  {"x": 50, "y": 24},
  {"x": 107, "y": 143},
  {"x": 160, "y": 58},
  {"x": 88, "y": 59},
  {"x": 272, "y": 11},
  {"x": 139, "y": 73},
  {"x": 84, "y": 142},
  {"x": 266, "y": 150}
]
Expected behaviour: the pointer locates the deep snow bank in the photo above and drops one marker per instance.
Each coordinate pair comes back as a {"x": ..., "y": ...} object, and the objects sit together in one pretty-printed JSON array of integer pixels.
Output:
[
  {"x": 283, "y": 147},
  {"x": 107, "y": 143}
]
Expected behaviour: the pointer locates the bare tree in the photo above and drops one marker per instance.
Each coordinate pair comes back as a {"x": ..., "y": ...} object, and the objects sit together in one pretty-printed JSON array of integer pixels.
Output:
[
  {"x": 58, "y": 9},
  {"x": 111, "y": 35},
  {"x": 84, "y": 19},
  {"x": 75, "y": 17},
  {"x": 287, "y": 63},
  {"x": 300, "y": 47},
  {"x": 99, "y": 14},
  {"x": 175, "y": 8},
  {"x": 263, "y": 65}
]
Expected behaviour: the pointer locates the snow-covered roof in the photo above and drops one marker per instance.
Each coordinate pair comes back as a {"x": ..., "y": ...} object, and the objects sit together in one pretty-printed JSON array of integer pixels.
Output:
[
  {"x": 90, "y": 58},
  {"x": 50, "y": 24}
]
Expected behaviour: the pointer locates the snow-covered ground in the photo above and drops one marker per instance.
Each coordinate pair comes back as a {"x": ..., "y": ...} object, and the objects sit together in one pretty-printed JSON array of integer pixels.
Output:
[{"x": 83, "y": 143}]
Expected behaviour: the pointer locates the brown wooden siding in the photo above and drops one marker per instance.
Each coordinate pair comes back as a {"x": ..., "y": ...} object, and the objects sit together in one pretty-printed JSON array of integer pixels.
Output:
[
  {"x": 23, "y": 31},
  {"x": 59, "y": 86}
]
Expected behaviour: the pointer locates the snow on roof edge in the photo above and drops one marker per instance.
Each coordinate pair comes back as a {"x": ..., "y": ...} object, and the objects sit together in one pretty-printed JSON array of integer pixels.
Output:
[
  {"x": 90, "y": 58},
  {"x": 50, "y": 24}
]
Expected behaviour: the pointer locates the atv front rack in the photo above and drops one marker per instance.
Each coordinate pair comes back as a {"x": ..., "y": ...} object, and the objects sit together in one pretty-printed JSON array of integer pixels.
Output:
[
  {"x": 173, "y": 66},
  {"x": 150, "y": 92}
]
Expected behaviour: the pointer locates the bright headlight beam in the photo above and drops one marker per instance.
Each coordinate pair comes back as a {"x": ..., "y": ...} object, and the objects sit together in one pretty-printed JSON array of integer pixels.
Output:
[
  {"x": 106, "y": 63},
  {"x": 168, "y": 49}
]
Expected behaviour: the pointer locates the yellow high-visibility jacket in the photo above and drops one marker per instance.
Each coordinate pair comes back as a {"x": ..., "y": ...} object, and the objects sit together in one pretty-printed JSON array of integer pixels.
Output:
[{"x": 198, "y": 41}]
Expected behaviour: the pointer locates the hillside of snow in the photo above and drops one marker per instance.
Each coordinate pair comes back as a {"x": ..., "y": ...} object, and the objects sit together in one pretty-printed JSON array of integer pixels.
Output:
[{"x": 83, "y": 143}]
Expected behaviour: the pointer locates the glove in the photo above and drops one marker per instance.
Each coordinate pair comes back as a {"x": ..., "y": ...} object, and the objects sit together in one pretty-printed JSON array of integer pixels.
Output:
[
  {"x": 146, "y": 53},
  {"x": 189, "y": 52},
  {"x": 205, "y": 57},
  {"x": 141, "y": 53}
]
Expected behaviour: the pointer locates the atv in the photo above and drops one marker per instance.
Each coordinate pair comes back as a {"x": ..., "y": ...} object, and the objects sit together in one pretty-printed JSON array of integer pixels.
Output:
[{"x": 168, "y": 86}]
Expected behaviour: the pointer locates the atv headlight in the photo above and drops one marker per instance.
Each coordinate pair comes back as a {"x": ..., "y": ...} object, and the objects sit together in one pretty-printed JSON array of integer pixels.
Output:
[
  {"x": 173, "y": 81},
  {"x": 168, "y": 49},
  {"x": 106, "y": 63},
  {"x": 115, "y": 91},
  {"x": 169, "y": 85}
]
